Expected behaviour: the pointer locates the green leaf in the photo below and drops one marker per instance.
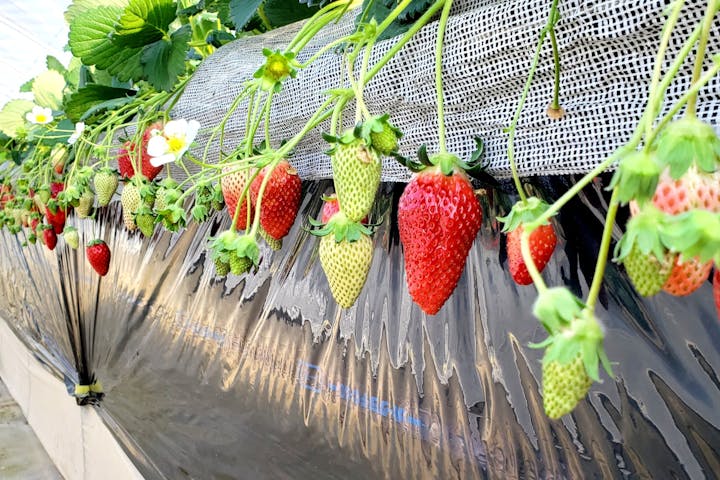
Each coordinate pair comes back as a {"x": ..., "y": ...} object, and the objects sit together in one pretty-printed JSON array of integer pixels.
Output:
[
  {"x": 144, "y": 22},
  {"x": 89, "y": 40},
  {"x": 282, "y": 12},
  {"x": 241, "y": 11},
  {"x": 85, "y": 99},
  {"x": 27, "y": 86},
  {"x": 163, "y": 61},
  {"x": 72, "y": 74},
  {"x": 53, "y": 63},
  {"x": 79, "y": 8},
  {"x": 380, "y": 9},
  {"x": 48, "y": 89},
  {"x": 12, "y": 116}
]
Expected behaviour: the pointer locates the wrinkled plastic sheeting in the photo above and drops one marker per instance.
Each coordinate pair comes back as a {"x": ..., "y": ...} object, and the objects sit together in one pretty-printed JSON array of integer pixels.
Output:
[{"x": 263, "y": 376}]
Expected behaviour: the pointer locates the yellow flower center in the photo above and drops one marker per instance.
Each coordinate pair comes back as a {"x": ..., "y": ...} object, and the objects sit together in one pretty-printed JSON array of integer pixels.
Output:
[
  {"x": 41, "y": 118},
  {"x": 176, "y": 144}
]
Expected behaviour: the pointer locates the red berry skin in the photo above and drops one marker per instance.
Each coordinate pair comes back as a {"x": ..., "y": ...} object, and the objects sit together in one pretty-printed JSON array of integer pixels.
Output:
[
  {"x": 127, "y": 152},
  {"x": 331, "y": 206},
  {"x": 57, "y": 219},
  {"x": 50, "y": 238},
  {"x": 98, "y": 254},
  {"x": 542, "y": 245},
  {"x": 280, "y": 201},
  {"x": 716, "y": 290},
  {"x": 233, "y": 185},
  {"x": 438, "y": 218}
]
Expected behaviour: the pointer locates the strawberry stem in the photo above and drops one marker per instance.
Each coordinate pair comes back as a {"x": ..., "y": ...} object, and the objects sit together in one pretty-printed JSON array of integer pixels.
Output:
[
  {"x": 604, "y": 250},
  {"x": 556, "y": 61},
  {"x": 511, "y": 130},
  {"x": 710, "y": 13},
  {"x": 537, "y": 279},
  {"x": 444, "y": 16},
  {"x": 655, "y": 95}
]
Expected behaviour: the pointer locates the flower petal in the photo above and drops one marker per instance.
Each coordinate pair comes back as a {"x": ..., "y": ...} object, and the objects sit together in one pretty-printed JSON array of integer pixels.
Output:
[
  {"x": 162, "y": 160},
  {"x": 176, "y": 128},
  {"x": 192, "y": 130},
  {"x": 157, "y": 146}
]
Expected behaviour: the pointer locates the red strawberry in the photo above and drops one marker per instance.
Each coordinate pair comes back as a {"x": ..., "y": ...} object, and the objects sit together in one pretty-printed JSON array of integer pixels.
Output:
[
  {"x": 331, "y": 205},
  {"x": 716, "y": 289},
  {"x": 687, "y": 276},
  {"x": 542, "y": 245},
  {"x": 57, "y": 218},
  {"x": 127, "y": 155},
  {"x": 280, "y": 200},
  {"x": 50, "y": 237},
  {"x": 233, "y": 185},
  {"x": 438, "y": 218},
  {"x": 98, "y": 254}
]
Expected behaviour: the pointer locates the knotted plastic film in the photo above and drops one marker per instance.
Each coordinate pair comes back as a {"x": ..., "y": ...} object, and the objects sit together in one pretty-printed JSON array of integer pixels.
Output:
[{"x": 607, "y": 51}]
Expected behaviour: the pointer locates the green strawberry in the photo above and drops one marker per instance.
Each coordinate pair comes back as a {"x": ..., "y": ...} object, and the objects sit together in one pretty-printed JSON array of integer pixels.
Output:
[
  {"x": 71, "y": 236},
  {"x": 106, "y": 182},
  {"x": 239, "y": 264},
  {"x": 345, "y": 255},
  {"x": 131, "y": 201},
  {"x": 85, "y": 204},
  {"x": 221, "y": 267},
  {"x": 273, "y": 243},
  {"x": 646, "y": 272},
  {"x": 145, "y": 220},
  {"x": 356, "y": 173},
  {"x": 564, "y": 385}
]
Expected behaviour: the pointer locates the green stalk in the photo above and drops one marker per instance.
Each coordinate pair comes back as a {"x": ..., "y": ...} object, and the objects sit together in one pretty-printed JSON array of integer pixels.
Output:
[
  {"x": 552, "y": 18},
  {"x": 421, "y": 22},
  {"x": 556, "y": 60},
  {"x": 654, "y": 98},
  {"x": 537, "y": 279},
  {"x": 442, "y": 26},
  {"x": 710, "y": 13},
  {"x": 604, "y": 250}
]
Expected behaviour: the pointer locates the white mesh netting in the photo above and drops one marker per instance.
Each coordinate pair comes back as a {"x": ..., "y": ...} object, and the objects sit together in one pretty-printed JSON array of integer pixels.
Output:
[{"x": 607, "y": 48}]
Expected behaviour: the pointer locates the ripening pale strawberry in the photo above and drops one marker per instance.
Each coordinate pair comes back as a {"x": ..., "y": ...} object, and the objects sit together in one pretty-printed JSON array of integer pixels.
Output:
[
  {"x": 71, "y": 236},
  {"x": 106, "y": 182},
  {"x": 239, "y": 264},
  {"x": 330, "y": 207},
  {"x": 145, "y": 221},
  {"x": 131, "y": 201},
  {"x": 356, "y": 174},
  {"x": 346, "y": 264},
  {"x": 385, "y": 141},
  {"x": 98, "y": 254},
  {"x": 222, "y": 268},
  {"x": 438, "y": 218},
  {"x": 127, "y": 155},
  {"x": 563, "y": 386},
  {"x": 85, "y": 204},
  {"x": 233, "y": 183},
  {"x": 542, "y": 245},
  {"x": 716, "y": 289},
  {"x": 280, "y": 200},
  {"x": 694, "y": 190}
]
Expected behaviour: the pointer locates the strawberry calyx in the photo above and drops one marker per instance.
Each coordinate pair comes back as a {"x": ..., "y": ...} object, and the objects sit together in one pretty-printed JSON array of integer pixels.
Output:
[
  {"x": 583, "y": 337},
  {"x": 693, "y": 234},
  {"x": 686, "y": 142},
  {"x": 637, "y": 177},
  {"x": 341, "y": 227},
  {"x": 556, "y": 308},
  {"x": 524, "y": 213},
  {"x": 449, "y": 163},
  {"x": 97, "y": 241},
  {"x": 643, "y": 232}
]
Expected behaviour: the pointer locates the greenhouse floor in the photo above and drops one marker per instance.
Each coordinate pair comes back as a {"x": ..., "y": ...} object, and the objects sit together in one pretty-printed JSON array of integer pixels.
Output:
[{"x": 22, "y": 457}]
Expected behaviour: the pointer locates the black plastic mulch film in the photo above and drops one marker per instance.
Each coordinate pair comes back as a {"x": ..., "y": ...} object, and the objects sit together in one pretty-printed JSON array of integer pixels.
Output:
[{"x": 263, "y": 376}]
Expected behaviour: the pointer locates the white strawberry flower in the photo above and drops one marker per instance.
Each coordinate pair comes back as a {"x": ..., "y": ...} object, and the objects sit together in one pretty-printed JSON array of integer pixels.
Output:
[
  {"x": 39, "y": 115},
  {"x": 79, "y": 129},
  {"x": 172, "y": 142}
]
